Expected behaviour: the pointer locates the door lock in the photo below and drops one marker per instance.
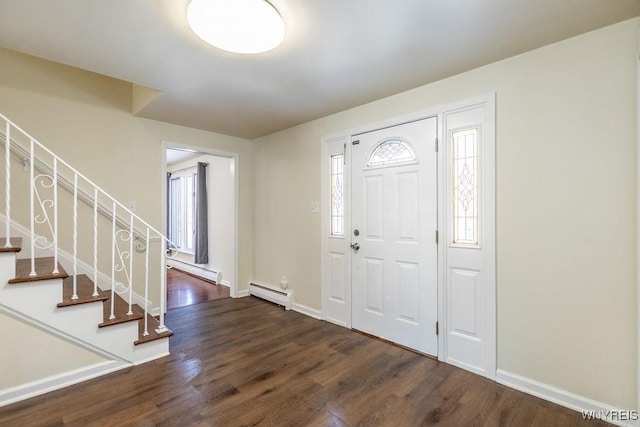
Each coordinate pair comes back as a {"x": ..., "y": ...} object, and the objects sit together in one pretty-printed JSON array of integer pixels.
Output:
[{"x": 355, "y": 246}]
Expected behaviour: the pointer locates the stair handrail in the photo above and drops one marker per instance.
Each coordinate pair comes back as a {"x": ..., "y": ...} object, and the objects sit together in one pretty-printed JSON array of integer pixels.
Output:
[
  {"x": 97, "y": 190},
  {"x": 67, "y": 184}
]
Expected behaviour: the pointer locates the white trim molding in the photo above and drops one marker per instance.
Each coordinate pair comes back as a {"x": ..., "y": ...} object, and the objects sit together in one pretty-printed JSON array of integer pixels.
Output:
[
  {"x": 197, "y": 270},
  {"x": 335, "y": 252},
  {"x": 307, "y": 311},
  {"x": 235, "y": 157},
  {"x": 56, "y": 382},
  {"x": 561, "y": 397}
]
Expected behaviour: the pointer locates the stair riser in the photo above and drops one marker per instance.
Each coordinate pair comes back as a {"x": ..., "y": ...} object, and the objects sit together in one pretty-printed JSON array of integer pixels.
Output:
[
  {"x": 38, "y": 300},
  {"x": 7, "y": 267}
]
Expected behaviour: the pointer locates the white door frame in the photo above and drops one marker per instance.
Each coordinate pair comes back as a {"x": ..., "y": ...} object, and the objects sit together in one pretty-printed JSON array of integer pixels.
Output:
[
  {"x": 638, "y": 224},
  {"x": 213, "y": 152},
  {"x": 343, "y": 138}
]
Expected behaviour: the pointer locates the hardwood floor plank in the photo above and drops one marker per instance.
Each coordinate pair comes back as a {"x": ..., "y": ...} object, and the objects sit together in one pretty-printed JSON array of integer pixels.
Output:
[
  {"x": 244, "y": 361},
  {"x": 185, "y": 289}
]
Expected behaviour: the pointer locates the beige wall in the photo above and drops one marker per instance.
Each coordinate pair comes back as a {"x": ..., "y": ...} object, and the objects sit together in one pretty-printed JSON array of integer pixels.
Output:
[
  {"x": 565, "y": 191},
  {"x": 22, "y": 367},
  {"x": 86, "y": 119},
  {"x": 566, "y": 212}
]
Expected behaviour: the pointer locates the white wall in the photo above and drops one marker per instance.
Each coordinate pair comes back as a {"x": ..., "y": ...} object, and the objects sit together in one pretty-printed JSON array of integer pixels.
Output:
[
  {"x": 566, "y": 192},
  {"x": 221, "y": 194}
]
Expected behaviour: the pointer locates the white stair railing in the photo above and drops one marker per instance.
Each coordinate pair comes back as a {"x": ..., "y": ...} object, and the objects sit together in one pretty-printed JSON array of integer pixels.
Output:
[
  {"x": 7, "y": 197},
  {"x": 123, "y": 231}
]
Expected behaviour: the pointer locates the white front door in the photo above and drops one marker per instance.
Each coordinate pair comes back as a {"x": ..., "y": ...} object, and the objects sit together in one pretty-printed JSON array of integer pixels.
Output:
[{"x": 393, "y": 234}]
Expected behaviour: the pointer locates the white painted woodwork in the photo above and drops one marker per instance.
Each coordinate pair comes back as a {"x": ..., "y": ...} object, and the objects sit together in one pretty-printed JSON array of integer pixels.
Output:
[
  {"x": 37, "y": 302},
  {"x": 336, "y": 260},
  {"x": 394, "y": 207},
  {"x": 469, "y": 270}
]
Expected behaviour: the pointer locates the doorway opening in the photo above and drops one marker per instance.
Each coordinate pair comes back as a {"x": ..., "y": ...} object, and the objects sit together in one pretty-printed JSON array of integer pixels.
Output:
[{"x": 200, "y": 199}]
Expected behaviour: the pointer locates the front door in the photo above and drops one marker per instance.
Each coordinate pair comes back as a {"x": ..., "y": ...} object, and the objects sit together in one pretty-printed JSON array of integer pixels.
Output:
[{"x": 393, "y": 234}]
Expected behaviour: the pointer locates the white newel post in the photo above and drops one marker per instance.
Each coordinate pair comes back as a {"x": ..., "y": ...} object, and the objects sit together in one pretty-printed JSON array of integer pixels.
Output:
[
  {"x": 130, "y": 312},
  {"x": 7, "y": 157},
  {"x": 146, "y": 285},
  {"x": 75, "y": 236},
  {"x": 55, "y": 216},
  {"x": 113, "y": 260},
  {"x": 163, "y": 284},
  {"x": 32, "y": 210},
  {"x": 95, "y": 242}
]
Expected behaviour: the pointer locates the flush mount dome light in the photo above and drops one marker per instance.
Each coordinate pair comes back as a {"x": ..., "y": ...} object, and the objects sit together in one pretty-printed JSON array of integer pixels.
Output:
[{"x": 239, "y": 26}]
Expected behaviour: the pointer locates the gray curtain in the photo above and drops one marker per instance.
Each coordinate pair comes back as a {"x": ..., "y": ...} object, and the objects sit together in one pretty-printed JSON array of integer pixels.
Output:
[{"x": 202, "y": 216}]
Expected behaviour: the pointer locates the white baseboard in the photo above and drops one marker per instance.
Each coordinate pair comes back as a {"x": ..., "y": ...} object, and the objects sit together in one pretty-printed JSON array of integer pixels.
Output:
[
  {"x": 55, "y": 382},
  {"x": 195, "y": 269},
  {"x": 225, "y": 283},
  {"x": 243, "y": 293},
  {"x": 336, "y": 322},
  {"x": 308, "y": 311},
  {"x": 561, "y": 397}
]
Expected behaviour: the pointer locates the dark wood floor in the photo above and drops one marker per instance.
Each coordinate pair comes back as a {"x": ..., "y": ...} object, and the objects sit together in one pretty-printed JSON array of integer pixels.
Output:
[
  {"x": 240, "y": 362},
  {"x": 184, "y": 289}
]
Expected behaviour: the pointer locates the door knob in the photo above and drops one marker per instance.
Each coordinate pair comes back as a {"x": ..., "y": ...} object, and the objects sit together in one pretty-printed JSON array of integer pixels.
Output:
[{"x": 355, "y": 246}]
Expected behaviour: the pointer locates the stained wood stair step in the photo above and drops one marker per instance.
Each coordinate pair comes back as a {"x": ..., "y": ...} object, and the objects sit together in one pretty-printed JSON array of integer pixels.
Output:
[
  {"x": 84, "y": 291},
  {"x": 44, "y": 268},
  {"x": 16, "y": 244},
  {"x": 152, "y": 325},
  {"x": 120, "y": 310}
]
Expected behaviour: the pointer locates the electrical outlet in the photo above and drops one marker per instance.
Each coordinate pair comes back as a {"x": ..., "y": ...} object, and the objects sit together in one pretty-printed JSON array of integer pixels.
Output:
[
  {"x": 284, "y": 284},
  {"x": 131, "y": 205},
  {"x": 314, "y": 207}
]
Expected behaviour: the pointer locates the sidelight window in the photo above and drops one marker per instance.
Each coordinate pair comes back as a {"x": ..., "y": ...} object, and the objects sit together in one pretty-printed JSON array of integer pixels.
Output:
[
  {"x": 465, "y": 186},
  {"x": 337, "y": 195}
]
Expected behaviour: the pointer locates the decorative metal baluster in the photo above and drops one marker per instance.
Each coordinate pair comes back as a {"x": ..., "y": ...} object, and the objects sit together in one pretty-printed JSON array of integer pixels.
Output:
[
  {"x": 7, "y": 197},
  {"x": 163, "y": 283},
  {"x": 130, "y": 312},
  {"x": 55, "y": 216},
  {"x": 31, "y": 211},
  {"x": 146, "y": 286},
  {"x": 95, "y": 242},
  {"x": 75, "y": 236},
  {"x": 113, "y": 261}
]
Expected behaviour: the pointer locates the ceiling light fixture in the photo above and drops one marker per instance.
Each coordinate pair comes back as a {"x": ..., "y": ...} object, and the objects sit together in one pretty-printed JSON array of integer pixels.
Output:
[{"x": 239, "y": 26}]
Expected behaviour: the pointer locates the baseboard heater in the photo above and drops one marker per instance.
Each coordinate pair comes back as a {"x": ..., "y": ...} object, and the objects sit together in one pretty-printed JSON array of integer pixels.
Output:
[{"x": 277, "y": 296}]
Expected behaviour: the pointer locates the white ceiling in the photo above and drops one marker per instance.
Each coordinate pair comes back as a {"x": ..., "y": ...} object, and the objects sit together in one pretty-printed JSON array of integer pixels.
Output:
[
  {"x": 337, "y": 54},
  {"x": 175, "y": 156}
]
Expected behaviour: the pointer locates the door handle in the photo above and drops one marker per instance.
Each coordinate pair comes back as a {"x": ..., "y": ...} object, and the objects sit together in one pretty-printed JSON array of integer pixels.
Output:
[{"x": 355, "y": 246}]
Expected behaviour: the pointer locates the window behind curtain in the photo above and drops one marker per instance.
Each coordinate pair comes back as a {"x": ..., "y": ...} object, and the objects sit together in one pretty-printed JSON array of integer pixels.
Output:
[{"x": 182, "y": 208}]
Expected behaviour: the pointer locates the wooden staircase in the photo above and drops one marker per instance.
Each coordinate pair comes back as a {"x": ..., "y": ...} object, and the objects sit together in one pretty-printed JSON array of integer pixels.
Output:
[{"x": 85, "y": 289}]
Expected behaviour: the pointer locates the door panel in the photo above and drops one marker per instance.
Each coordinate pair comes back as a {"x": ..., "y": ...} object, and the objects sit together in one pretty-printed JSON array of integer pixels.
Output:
[{"x": 394, "y": 209}]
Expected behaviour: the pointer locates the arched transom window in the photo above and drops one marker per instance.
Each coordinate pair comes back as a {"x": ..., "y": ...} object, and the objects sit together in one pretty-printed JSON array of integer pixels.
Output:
[{"x": 391, "y": 152}]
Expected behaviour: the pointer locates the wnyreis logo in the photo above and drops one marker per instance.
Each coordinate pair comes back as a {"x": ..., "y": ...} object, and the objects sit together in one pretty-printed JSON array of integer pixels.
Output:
[{"x": 610, "y": 415}]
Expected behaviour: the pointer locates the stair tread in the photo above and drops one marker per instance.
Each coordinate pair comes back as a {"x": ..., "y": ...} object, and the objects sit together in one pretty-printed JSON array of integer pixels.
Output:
[
  {"x": 16, "y": 244},
  {"x": 44, "y": 267},
  {"x": 152, "y": 325},
  {"x": 84, "y": 291},
  {"x": 120, "y": 309}
]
